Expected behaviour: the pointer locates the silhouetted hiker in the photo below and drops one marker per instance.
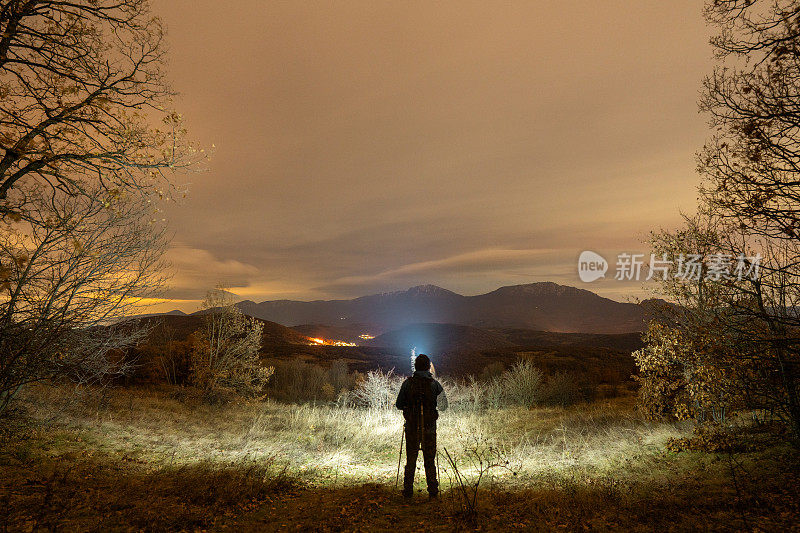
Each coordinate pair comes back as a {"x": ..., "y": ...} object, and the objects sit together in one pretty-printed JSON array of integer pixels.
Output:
[{"x": 419, "y": 397}]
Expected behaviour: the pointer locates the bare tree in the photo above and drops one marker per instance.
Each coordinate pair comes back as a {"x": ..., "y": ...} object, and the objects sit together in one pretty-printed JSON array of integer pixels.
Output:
[
  {"x": 226, "y": 354},
  {"x": 80, "y": 83},
  {"x": 167, "y": 359},
  {"x": 81, "y": 262},
  {"x": 87, "y": 143}
]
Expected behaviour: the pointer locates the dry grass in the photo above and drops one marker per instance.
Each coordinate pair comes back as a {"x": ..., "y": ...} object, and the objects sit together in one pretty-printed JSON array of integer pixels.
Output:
[
  {"x": 161, "y": 459},
  {"x": 158, "y": 426}
]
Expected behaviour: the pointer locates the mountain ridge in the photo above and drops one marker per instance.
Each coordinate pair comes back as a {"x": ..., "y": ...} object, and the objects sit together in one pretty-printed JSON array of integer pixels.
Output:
[{"x": 545, "y": 306}]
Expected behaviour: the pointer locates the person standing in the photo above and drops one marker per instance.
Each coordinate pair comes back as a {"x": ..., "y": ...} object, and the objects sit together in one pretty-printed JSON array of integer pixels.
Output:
[{"x": 421, "y": 398}]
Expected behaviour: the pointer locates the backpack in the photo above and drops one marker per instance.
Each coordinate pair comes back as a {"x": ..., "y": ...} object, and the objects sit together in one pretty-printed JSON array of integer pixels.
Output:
[{"x": 422, "y": 413}]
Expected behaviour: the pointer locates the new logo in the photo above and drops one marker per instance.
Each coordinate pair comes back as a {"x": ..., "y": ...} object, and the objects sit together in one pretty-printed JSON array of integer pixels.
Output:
[{"x": 591, "y": 266}]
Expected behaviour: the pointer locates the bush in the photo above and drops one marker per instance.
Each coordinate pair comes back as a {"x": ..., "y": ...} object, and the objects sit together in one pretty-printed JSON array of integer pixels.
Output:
[
  {"x": 518, "y": 386},
  {"x": 521, "y": 384},
  {"x": 377, "y": 390},
  {"x": 297, "y": 381},
  {"x": 340, "y": 378},
  {"x": 160, "y": 363},
  {"x": 492, "y": 371},
  {"x": 464, "y": 395},
  {"x": 562, "y": 389}
]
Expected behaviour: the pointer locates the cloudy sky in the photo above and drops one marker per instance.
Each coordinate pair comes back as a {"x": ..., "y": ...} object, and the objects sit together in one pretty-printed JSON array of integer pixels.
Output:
[{"x": 370, "y": 146}]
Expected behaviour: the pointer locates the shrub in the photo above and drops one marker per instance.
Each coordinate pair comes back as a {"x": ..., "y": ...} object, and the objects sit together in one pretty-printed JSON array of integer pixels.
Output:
[
  {"x": 339, "y": 377},
  {"x": 297, "y": 381},
  {"x": 492, "y": 371},
  {"x": 562, "y": 389},
  {"x": 464, "y": 395},
  {"x": 377, "y": 390},
  {"x": 154, "y": 362},
  {"x": 328, "y": 392},
  {"x": 521, "y": 384}
]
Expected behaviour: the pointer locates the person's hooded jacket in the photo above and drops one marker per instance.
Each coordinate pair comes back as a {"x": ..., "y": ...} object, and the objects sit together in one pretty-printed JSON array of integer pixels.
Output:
[{"x": 404, "y": 402}]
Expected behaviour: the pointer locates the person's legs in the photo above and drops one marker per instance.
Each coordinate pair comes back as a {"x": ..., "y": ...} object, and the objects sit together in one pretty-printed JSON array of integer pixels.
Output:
[
  {"x": 412, "y": 449},
  {"x": 429, "y": 457}
]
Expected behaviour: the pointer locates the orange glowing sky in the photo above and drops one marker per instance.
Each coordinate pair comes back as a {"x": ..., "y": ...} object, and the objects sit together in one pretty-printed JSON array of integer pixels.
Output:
[{"x": 371, "y": 146}]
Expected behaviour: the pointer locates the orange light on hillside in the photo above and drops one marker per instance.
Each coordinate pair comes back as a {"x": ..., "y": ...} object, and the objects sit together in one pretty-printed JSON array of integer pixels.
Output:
[{"x": 327, "y": 342}]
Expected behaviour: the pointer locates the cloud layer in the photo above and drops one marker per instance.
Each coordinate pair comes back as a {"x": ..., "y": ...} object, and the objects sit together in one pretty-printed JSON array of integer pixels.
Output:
[{"x": 367, "y": 146}]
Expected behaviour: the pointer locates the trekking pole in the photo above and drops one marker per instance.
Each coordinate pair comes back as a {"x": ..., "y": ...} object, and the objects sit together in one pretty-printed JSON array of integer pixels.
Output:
[
  {"x": 400, "y": 457},
  {"x": 438, "y": 474}
]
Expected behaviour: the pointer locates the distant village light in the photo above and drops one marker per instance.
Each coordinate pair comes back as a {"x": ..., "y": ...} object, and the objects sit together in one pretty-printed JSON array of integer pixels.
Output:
[{"x": 328, "y": 342}]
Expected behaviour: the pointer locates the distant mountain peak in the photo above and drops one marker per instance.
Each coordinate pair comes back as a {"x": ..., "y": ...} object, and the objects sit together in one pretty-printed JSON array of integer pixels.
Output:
[
  {"x": 428, "y": 290},
  {"x": 543, "y": 288}
]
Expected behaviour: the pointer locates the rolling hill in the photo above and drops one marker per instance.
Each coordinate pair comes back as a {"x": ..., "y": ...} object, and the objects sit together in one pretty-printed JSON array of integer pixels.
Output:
[
  {"x": 461, "y": 350},
  {"x": 439, "y": 338},
  {"x": 179, "y": 327}
]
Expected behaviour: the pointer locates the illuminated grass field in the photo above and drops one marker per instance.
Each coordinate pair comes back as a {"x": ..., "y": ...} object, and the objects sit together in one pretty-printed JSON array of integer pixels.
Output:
[{"x": 153, "y": 459}]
